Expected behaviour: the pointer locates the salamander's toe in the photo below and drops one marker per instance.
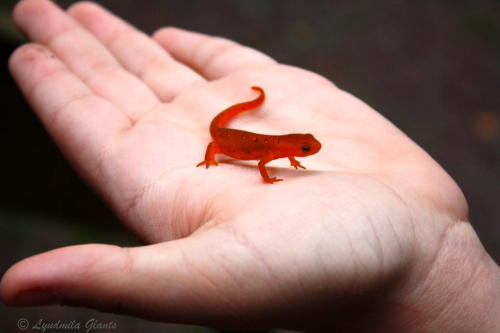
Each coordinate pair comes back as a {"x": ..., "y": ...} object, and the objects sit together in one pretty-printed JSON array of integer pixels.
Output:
[
  {"x": 207, "y": 163},
  {"x": 272, "y": 180},
  {"x": 297, "y": 165}
]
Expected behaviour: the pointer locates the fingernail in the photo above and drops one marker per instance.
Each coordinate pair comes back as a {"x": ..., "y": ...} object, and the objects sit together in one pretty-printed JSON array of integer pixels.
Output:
[{"x": 35, "y": 297}]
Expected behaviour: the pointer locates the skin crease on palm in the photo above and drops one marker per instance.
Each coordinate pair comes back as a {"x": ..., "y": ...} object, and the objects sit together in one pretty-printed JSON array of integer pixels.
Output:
[{"x": 372, "y": 215}]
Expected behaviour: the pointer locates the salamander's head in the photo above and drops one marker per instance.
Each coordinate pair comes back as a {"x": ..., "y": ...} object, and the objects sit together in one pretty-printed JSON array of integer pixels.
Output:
[{"x": 304, "y": 144}]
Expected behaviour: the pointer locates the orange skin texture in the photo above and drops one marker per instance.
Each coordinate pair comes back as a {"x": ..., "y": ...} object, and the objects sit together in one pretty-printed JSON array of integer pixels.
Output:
[{"x": 245, "y": 145}]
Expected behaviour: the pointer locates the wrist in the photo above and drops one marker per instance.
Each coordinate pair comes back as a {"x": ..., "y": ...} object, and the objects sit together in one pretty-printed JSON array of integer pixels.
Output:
[{"x": 459, "y": 292}]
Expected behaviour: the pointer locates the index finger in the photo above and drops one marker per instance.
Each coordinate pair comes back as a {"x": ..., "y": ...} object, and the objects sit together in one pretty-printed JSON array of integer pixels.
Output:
[
  {"x": 81, "y": 123},
  {"x": 45, "y": 23}
]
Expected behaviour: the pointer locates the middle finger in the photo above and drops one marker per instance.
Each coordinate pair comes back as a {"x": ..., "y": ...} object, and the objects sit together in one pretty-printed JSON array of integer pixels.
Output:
[{"x": 137, "y": 52}]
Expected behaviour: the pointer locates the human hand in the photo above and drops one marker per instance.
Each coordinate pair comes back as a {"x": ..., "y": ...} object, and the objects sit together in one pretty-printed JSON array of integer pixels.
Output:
[{"x": 365, "y": 222}]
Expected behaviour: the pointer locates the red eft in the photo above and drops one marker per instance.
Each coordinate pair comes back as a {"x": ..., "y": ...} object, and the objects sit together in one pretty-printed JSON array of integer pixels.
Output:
[{"x": 244, "y": 145}]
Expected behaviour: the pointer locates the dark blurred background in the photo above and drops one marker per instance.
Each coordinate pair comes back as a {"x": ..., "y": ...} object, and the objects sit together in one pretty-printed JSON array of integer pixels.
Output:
[{"x": 431, "y": 67}]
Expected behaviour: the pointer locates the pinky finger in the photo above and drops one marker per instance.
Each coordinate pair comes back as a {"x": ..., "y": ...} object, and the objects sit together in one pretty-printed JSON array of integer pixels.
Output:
[
  {"x": 80, "y": 122},
  {"x": 213, "y": 57}
]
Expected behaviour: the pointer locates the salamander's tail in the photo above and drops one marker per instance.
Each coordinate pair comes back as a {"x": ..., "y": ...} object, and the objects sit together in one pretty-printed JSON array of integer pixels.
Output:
[{"x": 225, "y": 116}]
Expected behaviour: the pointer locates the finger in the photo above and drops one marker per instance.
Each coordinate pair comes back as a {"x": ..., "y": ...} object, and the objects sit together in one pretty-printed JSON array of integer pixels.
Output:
[
  {"x": 80, "y": 122},
  {"x": 45, "y": 23},
  {"x": 137, "y": 52},
  {"x": 213, "y": 57},
  {"x": 155, "y": 281}
]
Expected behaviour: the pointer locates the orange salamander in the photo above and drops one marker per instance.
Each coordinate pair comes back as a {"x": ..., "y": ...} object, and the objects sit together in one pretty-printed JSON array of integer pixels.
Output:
[{"x": 244, "y": 145}]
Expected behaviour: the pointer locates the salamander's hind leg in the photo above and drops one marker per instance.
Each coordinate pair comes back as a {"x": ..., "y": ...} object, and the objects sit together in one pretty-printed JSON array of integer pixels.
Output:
[
  {"x": 212, "y": 149},
  {"x": 263, "y": 173}
]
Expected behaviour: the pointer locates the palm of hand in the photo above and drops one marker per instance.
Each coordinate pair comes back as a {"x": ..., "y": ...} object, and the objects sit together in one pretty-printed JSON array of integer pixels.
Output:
[{"x": 356, "y": 214}]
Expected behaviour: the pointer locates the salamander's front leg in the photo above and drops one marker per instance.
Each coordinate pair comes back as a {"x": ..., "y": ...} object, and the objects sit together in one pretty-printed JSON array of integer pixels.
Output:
[
  {"x": 263, "y": 172},
  {"x": 212, "y": 149},
  {"x": 296, "y": 164}
]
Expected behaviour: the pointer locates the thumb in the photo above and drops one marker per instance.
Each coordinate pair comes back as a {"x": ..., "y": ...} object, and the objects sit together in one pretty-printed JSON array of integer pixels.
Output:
[{"x": 157, "y": 282}]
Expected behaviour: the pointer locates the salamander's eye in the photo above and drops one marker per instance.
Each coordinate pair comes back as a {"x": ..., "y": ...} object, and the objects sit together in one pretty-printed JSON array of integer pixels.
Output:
[{"x": 306, "y": 148}]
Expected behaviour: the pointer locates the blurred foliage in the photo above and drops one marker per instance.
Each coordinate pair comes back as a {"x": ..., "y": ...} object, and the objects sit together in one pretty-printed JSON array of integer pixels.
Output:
[{"x": 7, "y": 27}]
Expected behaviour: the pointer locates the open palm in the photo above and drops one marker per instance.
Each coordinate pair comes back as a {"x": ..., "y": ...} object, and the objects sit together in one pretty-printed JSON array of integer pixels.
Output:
[{"x": 133, "y": 119}]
